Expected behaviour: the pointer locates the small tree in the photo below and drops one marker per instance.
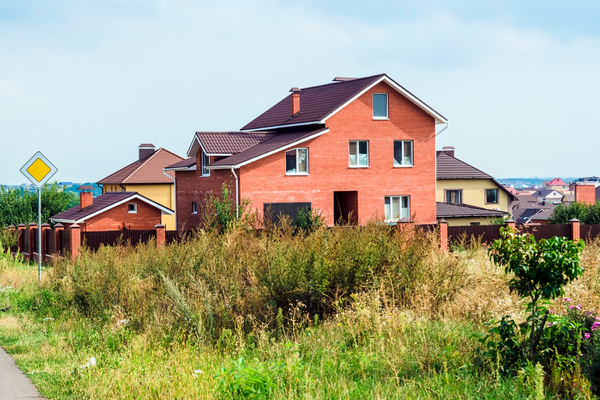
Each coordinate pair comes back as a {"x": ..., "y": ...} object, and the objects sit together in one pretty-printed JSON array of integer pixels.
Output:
[{"x": 541, "y": 270}]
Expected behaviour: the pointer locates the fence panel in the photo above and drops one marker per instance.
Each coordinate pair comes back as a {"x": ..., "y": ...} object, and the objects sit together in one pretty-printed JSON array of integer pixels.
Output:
[
  {"x": 94, "y": 240},
  {"x": 65, "y": 242},
  {"x": 547, "y": 231},
  {"x": 173, "y": 237},
  {"x": 25, "y": 248},
  {"x": 589, "y": 232},
  {"x": 49, "y": 241},
  {"x": 488, "y": 233}
]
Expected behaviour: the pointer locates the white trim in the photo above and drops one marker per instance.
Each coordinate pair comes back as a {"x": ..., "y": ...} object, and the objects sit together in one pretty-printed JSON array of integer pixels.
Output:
[
  {"x": 319, "y": 133},
  {"x": 358, "y": 154},
  {"x": 307, "y": 165},
  {"x": 192, "y": 168},
  {"x": 202, "y": 174},
  {"x": 412, "y": 154},
  {"x": 134, "y": 211},
  {"x": 281, "y": 126}
]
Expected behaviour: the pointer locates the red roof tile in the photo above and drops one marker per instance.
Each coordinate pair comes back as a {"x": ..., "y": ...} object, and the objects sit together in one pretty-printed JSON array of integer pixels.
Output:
[
  {"x": 149, "y": 170},
  {"x": 231, "y": 142}
]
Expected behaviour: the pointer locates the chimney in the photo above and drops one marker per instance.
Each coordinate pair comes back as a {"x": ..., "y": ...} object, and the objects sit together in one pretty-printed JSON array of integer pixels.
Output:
[
  {"x": 448, "y": 150},
  {"x": 86, "y": 197},
  {"x": 585, "y": 192},
  {"x": 146, "y": 150},
  {"x": 295, "y": 100}
]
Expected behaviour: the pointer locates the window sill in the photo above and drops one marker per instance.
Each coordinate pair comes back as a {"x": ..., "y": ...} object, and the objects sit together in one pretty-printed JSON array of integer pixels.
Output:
[
  {"x": 204, "y": 176},
  {"x": 297, "y": 174},
  {"x": 358, "y": 166},
  {"x": 403, "y": 166},
  {"x": 381, "y": 118}
]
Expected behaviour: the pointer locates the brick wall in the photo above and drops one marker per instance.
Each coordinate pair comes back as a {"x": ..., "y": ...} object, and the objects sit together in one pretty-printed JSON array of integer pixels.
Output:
[
  {"x": 147, "y": 217},
  {"x": 585, "y": 194},
  {"x": 264, "y": 181},
  {"x": 192, "y": 187}
]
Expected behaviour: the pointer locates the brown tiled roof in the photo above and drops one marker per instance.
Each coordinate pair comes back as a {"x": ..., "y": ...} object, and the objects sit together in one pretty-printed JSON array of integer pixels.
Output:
[
  {"x": 149, "y": 170},
  {"x": 231, "y": 142},
  {"x": 446, "y": 210},
  {"x": 276, "y": 142},
  {"x": 100, "y": 203},
  {"x": 449, "y": 167},
  {"x": 187, "y": 163},
  {"x": 316, "y": 103}
]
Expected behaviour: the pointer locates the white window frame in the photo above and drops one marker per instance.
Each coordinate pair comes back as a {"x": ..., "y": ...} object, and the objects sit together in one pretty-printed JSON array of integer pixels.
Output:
[
  {"x": 205, "y": 160},
  {"x": 412, "y": 154},
  {"x": 194, "y": 207},
  {"x": 358, "y": 154},
  {"x": 296, "y": 151},
  {"x": 134, "y": 211},
  {"x": 387, "y": 106},
  {"x": 388, "y": 209}
]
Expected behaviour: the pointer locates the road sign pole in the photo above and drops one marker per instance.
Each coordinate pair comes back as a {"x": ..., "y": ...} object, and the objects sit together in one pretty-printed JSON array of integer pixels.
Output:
[{"x": 40, "y": 236}]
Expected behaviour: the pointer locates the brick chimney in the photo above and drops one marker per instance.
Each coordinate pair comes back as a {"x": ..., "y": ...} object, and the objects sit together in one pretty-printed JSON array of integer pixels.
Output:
[
  {"x": 295, "y": 100},
  {"x": 146, "y": 150},
  {"x": 86, "y": 197},
  {"x": 448, "y": 150},
  {"x": 585, "y": 192}
]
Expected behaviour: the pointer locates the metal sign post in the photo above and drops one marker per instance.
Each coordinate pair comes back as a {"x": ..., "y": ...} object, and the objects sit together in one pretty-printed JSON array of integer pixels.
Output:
[{"x": 39, "y": 170}]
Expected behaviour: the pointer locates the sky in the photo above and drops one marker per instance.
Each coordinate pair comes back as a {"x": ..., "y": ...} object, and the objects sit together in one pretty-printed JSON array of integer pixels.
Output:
[{"x": 86, "y": 82}]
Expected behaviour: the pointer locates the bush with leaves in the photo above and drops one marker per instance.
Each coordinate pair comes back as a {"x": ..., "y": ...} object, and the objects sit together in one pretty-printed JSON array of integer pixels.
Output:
[
  {"x": 309, "y": 220},
  {"x": 585, "y": 213},
  {"x": 221, "y": 212}
]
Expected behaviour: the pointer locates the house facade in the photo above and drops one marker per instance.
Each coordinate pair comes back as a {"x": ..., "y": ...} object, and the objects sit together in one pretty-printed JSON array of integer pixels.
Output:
[
  {"x": 465, "y": 187},
  {"x": 147, "y": 177},
  {"x": 112, "y": 211},
  {"x": 356, "y": 149}
]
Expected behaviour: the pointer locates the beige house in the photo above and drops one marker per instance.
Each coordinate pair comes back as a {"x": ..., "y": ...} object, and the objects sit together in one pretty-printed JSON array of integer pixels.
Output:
[
  {"x": 146, "y": 177},
  {"x": 480, "y": 197}
]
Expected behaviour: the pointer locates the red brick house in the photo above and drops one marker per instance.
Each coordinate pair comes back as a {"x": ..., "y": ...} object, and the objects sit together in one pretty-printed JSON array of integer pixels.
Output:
[
  {"x": 362, "y": 147},
  {"x": 112, "y": 211}
]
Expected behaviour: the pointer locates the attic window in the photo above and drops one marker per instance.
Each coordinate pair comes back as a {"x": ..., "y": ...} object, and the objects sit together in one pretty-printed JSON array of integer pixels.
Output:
[
  {"x": 132, "y": 208},
  {"x": 380, "y": 106},
  {"x": 205, "y": 162}
]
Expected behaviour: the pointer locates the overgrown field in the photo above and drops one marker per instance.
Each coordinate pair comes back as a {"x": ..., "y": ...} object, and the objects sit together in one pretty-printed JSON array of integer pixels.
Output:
[{"x": 374, "y": 313}]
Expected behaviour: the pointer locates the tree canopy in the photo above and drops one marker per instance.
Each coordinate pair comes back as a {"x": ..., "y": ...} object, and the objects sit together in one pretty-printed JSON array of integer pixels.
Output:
[
  {"x": 20, "y": 206},
  {"x": 585, "y": 213}
]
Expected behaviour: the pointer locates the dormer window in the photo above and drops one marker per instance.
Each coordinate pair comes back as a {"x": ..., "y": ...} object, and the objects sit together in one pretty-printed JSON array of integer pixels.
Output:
[
  {"x": 380, "y": 106},
  {"x": 205, "y": 163}
]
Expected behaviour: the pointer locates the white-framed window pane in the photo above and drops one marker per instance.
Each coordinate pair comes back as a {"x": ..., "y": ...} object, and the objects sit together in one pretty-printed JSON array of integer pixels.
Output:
[
  {"x": 353, "y": 151},
  {"x": 380, "y": 105},
  {"x": 405, "y": 213},
  {"x": 363, "y": 153},
  {"x": 407, "y": 159},
  {"x": 397, "y": 153},
  {"x": 395, "y": 207},
  {"x": 205, "y": 162},
  {"x": 302, "y": 157},
  {"x": 387, "y": 208},
  {"x": 290, "y": 161}
]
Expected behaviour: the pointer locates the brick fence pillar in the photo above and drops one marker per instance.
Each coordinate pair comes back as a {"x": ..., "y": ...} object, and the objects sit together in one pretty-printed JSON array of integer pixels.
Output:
[
  {"x": 510, "y": 223},
  {"x": 45, "y": 228},
  {"x": 443, "y": 224},
  {"x": 575, "y": 229},
  {"x": 75, "y": 240},
  {"x": 58, "y": 228},
  {"x": 20, "y": 239},
  {"x": 32, "y": 237},
  {"x": 160, "y": 235}
]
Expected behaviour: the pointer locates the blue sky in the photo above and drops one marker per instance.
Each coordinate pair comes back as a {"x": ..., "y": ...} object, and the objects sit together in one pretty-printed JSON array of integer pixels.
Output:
[{"x": 86, "y": 82}]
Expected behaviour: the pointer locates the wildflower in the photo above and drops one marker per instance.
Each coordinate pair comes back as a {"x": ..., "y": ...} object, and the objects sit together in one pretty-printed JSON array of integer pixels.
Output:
[
  {"x": 586, "y": 335},
  {"x": 595, "y": 325},
  {"x": 567, "y": 299},
  {"x": 577, "y": 307}
]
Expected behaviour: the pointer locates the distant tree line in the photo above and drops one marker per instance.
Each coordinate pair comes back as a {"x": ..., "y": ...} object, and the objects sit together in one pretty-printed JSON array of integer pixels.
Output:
[
  {"x": 585, "y": 213},
  {"x": 20, "y": 206}
]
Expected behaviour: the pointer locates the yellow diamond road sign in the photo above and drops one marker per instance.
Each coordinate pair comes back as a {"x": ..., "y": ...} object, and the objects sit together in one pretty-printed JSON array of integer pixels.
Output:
[{"x": 38, "y": 169}]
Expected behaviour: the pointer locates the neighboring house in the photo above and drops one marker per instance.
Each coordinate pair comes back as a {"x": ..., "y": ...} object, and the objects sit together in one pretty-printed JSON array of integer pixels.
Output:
[
  {"x": 536, "y": 216},
  {"x": 464, "y": 214},
  {"x": 551, "y": 196},
  {"x": 459, "y": 183},
  {"x": 567, "y": 199},
  {"x": 112, "y": 211},
  {"x": 586, "y": 180},
  {"x": 147, "y": 177},
  {"x": 556, "y": 184},
  {"x": 359, "y": 148}
]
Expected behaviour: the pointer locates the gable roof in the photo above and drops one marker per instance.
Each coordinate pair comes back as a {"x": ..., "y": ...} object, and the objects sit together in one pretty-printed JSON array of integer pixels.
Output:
[
  {"x": 101, "y": 204},
  {"x": 557, "y": 182},
  {"x": 226, "y": 143},
  {"x": 276, "y": 143},
  {"x": 447, "y": 210},
  {"x": 149, "y": 170},
  {"x": 318, "y": 103}
]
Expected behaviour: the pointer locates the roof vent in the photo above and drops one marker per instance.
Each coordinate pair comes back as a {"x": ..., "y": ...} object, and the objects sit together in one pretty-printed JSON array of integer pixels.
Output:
[
  {"x": 342, "y": 79},
  {"x": 295, "y": 100},
  {"x": 448, "y": 150},
  {"x": 145, "y": 151}
]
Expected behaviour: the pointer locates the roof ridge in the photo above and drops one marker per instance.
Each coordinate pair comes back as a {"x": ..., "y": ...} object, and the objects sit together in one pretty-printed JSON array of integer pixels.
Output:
[
  {"x": 141, "y": 165},
  {"x": 170, "y": 152},
  {"x": 466, "y": 163},
  {"x": 343, "y": 82}
]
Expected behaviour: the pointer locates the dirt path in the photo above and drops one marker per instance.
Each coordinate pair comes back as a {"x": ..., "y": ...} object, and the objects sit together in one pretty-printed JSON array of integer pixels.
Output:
[{"x": 14, "y": 384}]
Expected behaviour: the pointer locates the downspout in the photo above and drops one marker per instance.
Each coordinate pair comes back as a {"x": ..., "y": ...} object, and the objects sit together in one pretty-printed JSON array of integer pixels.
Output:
[
  {"x": 174, "y": 196},
  {"x": 237, "y": 195}
]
